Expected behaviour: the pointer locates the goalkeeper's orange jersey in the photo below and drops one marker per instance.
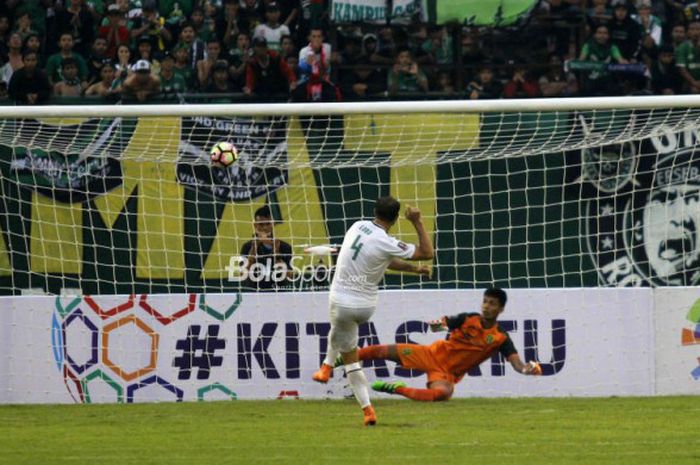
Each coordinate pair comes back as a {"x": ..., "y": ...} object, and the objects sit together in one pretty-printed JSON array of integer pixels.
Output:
[{"x": 469, "y": 344}]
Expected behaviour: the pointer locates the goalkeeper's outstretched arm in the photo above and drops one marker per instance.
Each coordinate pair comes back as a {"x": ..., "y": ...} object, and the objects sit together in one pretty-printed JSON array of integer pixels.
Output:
[{"x": 530, "y": 368}]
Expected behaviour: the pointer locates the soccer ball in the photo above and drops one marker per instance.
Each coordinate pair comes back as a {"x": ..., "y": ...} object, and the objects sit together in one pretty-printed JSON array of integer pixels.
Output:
[{"x": 224, "y": 154}]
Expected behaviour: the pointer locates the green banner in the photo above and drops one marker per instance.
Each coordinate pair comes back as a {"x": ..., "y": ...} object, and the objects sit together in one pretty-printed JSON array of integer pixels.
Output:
[{"x": 479, "y": 12}]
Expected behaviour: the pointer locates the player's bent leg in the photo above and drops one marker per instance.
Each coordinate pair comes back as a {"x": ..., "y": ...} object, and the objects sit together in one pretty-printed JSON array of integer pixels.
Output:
[
  {"x": 358, "y": 384},
  {"x": 379, "y": 352},
  {"x": 437, "y": 391}
]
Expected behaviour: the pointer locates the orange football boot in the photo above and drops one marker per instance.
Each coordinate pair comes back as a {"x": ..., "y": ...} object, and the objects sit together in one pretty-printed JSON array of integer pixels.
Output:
[
  {"x": 323, "y": 374},
  {"x": 370, "y": 416}
]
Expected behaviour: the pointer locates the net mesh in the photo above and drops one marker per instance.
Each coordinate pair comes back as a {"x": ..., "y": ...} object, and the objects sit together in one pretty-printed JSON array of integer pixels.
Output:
[{"x": 124, "y": 205}]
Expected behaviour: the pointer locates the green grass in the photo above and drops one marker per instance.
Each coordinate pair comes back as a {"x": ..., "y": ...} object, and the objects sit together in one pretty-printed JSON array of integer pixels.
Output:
[{"x": 661, "y": 430}]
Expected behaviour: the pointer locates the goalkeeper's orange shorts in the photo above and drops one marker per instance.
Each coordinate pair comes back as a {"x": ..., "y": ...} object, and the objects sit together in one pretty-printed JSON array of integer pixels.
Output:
[{"x": 418, "y": 357}]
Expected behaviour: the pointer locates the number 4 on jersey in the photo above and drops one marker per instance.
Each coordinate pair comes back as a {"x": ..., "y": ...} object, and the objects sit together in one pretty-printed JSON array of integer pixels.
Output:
[{"x": 356, "y": 246}]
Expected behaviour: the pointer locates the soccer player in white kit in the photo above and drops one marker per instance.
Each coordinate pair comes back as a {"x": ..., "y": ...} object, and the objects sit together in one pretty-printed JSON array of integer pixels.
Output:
[{"x": 367, "y": 251}]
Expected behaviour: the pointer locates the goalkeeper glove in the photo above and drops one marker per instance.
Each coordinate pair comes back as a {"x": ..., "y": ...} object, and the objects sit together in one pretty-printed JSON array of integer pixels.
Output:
[
  {"x": 532, "y": 368},
  {"x": 437, "y": 325}
]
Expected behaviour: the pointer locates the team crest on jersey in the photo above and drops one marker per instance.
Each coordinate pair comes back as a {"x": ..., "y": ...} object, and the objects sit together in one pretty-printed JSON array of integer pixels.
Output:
[
  {"x": 489, "y": 339},
  {"x": 650, "y": 235},
  {"x": 402, "y": 246}
]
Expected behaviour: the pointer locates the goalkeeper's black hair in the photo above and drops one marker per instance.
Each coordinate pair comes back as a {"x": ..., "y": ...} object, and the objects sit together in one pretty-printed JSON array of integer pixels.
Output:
[
  {"x": 387, "y": 208},
  {"x": 498, "y": 293}
]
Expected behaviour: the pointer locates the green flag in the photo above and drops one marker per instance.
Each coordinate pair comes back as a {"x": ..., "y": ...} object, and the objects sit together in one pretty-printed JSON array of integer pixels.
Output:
[{"x": 478, "y": 12}]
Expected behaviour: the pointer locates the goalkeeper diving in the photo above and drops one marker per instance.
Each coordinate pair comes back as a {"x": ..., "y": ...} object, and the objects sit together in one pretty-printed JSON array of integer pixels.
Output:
[{"x": 473, "y": 338}]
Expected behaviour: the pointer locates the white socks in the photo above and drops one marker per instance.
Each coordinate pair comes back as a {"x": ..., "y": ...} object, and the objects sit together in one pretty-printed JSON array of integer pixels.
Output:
[
  {"x": 331, "y": 356},
  {"x": 358, "y": 383}
]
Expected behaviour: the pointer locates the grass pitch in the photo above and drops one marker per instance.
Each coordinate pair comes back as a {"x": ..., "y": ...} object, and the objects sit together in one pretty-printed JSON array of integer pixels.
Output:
[{"x": 661, "y": 430}]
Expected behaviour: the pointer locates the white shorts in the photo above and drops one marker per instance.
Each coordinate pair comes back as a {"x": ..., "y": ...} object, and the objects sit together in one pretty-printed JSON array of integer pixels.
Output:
[{"x": 344, "y": 323}]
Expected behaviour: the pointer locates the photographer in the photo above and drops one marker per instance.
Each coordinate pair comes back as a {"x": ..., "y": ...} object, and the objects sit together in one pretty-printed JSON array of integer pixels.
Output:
[
  {"x": 264, "y": 253},
  {"x": 405, "y": 76}
]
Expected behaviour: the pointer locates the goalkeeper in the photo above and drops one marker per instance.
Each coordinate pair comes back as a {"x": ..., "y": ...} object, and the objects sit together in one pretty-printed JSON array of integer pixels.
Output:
[{"x": 473, "y": 338}]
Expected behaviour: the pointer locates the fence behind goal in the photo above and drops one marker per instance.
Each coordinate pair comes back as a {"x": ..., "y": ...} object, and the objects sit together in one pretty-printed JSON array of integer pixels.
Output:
[{"x": 539, "y": 196}]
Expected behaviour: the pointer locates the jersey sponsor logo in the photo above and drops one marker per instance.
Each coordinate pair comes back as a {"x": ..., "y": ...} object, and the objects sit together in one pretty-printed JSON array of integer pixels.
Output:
[
  {"x": 650, "y": 235},
  {"x": 261, "y": 143},
  {"x": 67, "y": 162},
  {"x": 489, "y": 339}
]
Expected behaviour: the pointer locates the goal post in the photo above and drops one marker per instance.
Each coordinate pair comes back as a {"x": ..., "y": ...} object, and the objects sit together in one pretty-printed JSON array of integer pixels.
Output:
[{"x": 117, "y": 214}]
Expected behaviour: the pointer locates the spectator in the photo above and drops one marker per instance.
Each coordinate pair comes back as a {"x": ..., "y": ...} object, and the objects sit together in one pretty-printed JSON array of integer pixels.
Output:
[
  {"x": 446, "y": 84},
  {"x": 521, "y": 85},
  {"x": 405, "y": 75},
  {"x": 175, "y": 10},
  {"x": 114, "y": 32},
  {"x": 204, "y": 66},
  {"x": 625, "y": 33},
  {"x": 265, "y": 253},
  {"x": 141, "y": 84},
  {"x": 651, "y": 25},
  {"x": 599, "y": 49},
  {"x": 229, "y": 24},
  {"x": 53, "y": 64},
  {"x": 598, "y": 15},
  {"x": 289, "y": 12},
  {"x": 287, "y": 47},
  {"x": 556, "y": 82},
  {"x": 79, "y": 21},
  {"x": 678, "y": 36},
  {"x": 267, "y": 74},
  {"x": 438, "y": 46},
  {"x": 103, "y": 87},
  {"x": 195, "y": 46},
  {"x": 692, "y": 12},
  {"x": 97, "y": 59},
  {"x": 238, "y": 58},
  {"x": 203, "y": 30},
  {"x": 23, "y": 24},
  {"x": 688, "y": 58},
  {"x": 144, "y": 51},
  {"x": 153, "y": 26},
  {"x": 29, "y": 84},
  {"x": 665, "y": 77},
  {"x": 220, "y": 82},
  {"x": 272, "y": 31},
  {"x": 182, "y": 65},
  {"x": 370, "y": 48},
  {"x": 363, "y": 81},
  {"x": 485, "y": 86},
  {"x": 170, "y": 81},
  {"x": 472, "y": 53},
  {"x": 70, "y": 86},
  {"x": 351, "y": 54},
  {"x": 4, "y": 31},
  {"x": 14, "y": 58},
  {"x": 252, "y": 13},
  {"x": 123, "y": 58},
  {"x": 314, "y": 59},
  {"x": 33, "y": 43}
]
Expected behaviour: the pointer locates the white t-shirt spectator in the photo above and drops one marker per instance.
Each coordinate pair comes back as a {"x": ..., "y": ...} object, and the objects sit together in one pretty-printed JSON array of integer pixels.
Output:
[{"x": 272, "y": 35}]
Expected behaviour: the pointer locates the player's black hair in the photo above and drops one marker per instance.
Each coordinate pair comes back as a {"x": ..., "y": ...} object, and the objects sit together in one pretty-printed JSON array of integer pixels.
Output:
[
  {"x": 498, "y": 293},
  {"x": 387, "y": 208},
  {"x": 263, "y": 212}
]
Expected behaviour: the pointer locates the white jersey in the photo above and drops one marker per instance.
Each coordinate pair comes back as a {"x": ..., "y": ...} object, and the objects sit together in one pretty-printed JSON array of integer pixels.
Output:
[
  {"x": 273, "y": 36},
  {"x": 365, "y": 255}
]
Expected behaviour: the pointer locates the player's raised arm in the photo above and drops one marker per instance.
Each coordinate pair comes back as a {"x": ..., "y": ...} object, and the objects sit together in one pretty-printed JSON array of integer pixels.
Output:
[
  {"x": 424, "y": 249},
  {"x": 401, "y": 265}
]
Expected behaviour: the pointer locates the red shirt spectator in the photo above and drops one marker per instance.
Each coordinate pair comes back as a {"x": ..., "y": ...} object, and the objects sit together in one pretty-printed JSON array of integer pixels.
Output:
[
  {"x": 115, "y": 33},
  {"x": 267, "y": 73}
]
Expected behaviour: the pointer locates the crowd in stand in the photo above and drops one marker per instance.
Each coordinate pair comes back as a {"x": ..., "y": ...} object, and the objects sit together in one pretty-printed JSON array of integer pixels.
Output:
[{"x": 139, "y": 50}]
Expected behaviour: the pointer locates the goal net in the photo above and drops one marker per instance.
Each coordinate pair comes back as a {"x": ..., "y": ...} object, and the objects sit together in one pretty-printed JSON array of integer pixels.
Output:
[{"x": 107, "y": 208}]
